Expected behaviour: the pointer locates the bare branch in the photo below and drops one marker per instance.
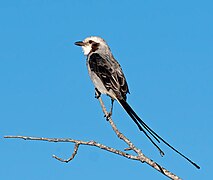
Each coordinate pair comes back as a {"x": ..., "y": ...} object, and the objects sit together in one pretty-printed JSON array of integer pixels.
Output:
[
  {"x": 72, "y": 156},
  {"x": 139, "y": 157},
  {"x": 79, "y": 142}
]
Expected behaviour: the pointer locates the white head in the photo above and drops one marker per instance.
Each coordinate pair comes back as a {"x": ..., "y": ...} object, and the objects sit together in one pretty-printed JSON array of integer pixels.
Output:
[{"x": 92, "y": 44}]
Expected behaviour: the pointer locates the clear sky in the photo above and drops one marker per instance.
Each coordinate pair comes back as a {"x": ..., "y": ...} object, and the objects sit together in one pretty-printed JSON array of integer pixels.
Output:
[{"x": 166, "y": 52}]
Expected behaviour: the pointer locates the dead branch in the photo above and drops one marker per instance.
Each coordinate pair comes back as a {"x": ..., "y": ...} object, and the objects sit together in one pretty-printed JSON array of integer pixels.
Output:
[{"x": 139, "y": 157}]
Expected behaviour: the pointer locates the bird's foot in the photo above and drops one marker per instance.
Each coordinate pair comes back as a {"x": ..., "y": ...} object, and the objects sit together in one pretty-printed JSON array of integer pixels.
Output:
[
  {"x": 97, "y": 93},
  {"x": 108, "y": 116}
]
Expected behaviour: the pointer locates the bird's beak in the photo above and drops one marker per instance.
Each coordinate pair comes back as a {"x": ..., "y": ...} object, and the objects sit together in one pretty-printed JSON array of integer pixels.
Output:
[{"x": 79, "y": 43}]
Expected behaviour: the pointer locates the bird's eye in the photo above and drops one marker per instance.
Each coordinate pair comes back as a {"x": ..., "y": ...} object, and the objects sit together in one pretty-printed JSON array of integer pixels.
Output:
[{"x": 90, "y": 41}]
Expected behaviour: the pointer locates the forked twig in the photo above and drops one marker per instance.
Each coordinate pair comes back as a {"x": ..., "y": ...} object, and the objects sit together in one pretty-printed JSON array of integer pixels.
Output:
[{"x": 139, "y": 157}]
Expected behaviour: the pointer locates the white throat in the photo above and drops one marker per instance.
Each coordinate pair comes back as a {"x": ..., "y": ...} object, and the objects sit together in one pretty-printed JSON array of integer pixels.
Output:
[{"x": 86, "y": 49}]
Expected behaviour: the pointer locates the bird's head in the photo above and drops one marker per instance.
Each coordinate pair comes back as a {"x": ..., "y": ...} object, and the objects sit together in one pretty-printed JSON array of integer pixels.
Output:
[{"x": 92, "y": 44}]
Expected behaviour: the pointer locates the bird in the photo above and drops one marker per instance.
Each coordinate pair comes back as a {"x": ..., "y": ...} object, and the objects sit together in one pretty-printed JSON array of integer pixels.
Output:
[{"x": 108, "y": 78}]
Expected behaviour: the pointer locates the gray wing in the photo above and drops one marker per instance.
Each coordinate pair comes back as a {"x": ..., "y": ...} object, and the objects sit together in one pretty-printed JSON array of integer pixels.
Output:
[{"x": 110, "y": 74}]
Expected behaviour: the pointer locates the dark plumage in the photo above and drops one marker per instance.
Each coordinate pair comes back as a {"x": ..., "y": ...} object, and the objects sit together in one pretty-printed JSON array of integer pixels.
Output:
[{"x": 111, "y": 78}]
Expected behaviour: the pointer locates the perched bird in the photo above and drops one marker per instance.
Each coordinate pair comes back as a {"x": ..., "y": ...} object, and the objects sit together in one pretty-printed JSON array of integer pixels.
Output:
[{"x": 108, "y": 78}]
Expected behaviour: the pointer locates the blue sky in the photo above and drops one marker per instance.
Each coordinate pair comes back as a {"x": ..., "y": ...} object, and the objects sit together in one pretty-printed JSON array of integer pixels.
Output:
[{"x": 166, "y": 51}]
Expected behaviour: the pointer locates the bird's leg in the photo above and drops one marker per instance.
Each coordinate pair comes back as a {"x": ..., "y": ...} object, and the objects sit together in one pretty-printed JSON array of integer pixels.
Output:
[
  {"x": 111, "y": 108},
  {"x": 110, "y": 112},
  {"x": 97, "y": 93}
]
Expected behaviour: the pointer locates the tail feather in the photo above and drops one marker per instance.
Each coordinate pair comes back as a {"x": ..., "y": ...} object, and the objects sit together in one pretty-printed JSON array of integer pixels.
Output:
[
  {"x": 143, "y": 126},
  {"x": 128, "y": 109}
]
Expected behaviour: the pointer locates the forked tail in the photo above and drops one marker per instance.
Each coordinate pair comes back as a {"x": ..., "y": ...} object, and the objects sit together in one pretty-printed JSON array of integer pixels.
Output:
[{"x": 152, "y": 134}]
